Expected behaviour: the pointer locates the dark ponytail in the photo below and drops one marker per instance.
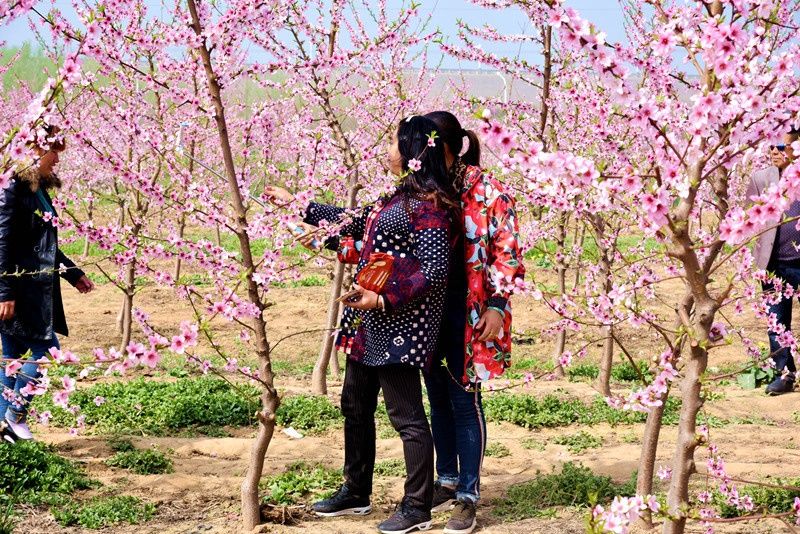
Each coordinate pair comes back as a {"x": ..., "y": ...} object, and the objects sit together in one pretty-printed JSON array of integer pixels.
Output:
[
  {"x": 473, "y": 154},
  {"x": 453, "y": 135}
]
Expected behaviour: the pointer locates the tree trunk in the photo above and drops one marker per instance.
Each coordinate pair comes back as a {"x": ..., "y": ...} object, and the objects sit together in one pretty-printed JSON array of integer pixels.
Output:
[
  {"x": 604, "y": 377},
  {"x": 319, "y": 385},
  {"x": 181, "y": 229},
  {"x": 607, "y": 359},
  {"x": 251, "y": 509},
  {"x": 327, "y": 353},
  {"x": 87, "y": 243},
  {"x": 652, "y": 430},
  {"x": 683, "y": 466},
  {"x": 182, "y": 219},
  {"x": 561, "y": 271}
]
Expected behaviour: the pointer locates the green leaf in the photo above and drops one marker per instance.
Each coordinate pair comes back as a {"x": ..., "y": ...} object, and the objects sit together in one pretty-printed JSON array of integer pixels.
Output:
[{"x": 747, "y": 380}]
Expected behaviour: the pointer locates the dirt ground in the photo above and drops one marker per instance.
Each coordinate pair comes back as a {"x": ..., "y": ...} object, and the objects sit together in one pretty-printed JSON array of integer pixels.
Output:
[{"x": 201, "y": 496}]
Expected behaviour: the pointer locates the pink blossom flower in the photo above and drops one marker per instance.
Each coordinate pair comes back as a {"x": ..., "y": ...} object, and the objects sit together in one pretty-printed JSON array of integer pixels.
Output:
[
  {"x": 61, "y": 398},
  {"x": 664, "y": 473},
  {"x": 12, "y": 367},
  {"x": 414, "y": 164},
  {"x": 178, "y": 345},
  {"x": 150, "y": 359}
]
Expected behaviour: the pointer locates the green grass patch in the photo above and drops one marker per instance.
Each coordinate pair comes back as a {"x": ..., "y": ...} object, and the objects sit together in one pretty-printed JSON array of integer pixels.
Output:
[
  {"x": 30, "y": 471},
  {"x": 622, "y": 372},
  {"x": 583, "y": 370},
  {"x": 104, "y": 512},
  {"x": 293, "y": 368},
  {"x": 575, "y": 485},
  {"x": 544, "y": 251},
  {"x": 159, "y": 408},
  {"x": 554, "y": 410},
  {"x": 394, "y": 467},
  {"x": 579, "y": 442},
  {"x": 533, "y": 444},
  {"x": 301, "y": 482},
  {"x": 142, "y": 462},
  {"x": 765, "y": 500},
  {"x": 497, "y": 450},
  {"x": 308, "y": 281},
  {"x": 312, "y": 414}
]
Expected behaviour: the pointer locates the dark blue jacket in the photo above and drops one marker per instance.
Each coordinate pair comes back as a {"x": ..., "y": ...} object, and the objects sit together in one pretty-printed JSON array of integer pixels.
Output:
[{"x": 29, "y": 262}]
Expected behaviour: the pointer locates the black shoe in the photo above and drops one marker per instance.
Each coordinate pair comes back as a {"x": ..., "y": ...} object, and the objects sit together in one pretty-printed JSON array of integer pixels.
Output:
[
  {"x": 463, "y": 520},
  {"x": 444, "y": 498},
  {"x": 343, "y": 502},
  {"x": 406, "y": 519},
  {"x": 780, "y": 385}
]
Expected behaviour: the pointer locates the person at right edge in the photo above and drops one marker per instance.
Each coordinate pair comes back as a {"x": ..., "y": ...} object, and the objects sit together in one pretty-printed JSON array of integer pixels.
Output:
[
  {"x": 475, "y": 340},
  {"x": 776, "y": 250}
]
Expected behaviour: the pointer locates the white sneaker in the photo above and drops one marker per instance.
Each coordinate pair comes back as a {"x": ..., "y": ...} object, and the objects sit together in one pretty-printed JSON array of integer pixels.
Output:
[{"x": 20, "y": 430}]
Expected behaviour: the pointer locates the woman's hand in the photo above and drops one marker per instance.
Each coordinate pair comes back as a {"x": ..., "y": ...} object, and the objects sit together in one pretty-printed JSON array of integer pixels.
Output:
[
  {"x": 309, "y": 236},
  {"x": 278, "y": 193},
  {"x": 7, "y": 310},
  {"x": 490, "y": 325},
  {"x": 84, "y": 284},
  {"x": 367, "y": 300}
]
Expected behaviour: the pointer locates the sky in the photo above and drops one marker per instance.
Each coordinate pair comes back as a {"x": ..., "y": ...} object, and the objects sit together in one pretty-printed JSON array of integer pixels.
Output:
[{"x": 606, "y": 14}]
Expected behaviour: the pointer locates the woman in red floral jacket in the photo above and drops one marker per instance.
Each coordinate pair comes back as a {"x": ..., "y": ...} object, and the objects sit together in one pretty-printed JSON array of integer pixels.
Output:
[{"x": 475, "y": 339}]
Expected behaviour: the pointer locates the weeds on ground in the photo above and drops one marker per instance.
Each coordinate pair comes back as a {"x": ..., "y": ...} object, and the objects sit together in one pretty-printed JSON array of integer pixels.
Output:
[
  {"x": 575, "y": 485},
  {"x": 497, "y": 450},
  {"x": 765, "y": 500},
  {"x": 142, "y": 462},
  {"x": 561, "y": 410},
  {"x": 158, "y": 408},
  {"x": 533, "y": 444},
  {"x": 103, "y": 512},
  {"x": 301, "y": 481},
  {"x": 29, "y": 471},
  {"x": 579, "y": 442},
  {"x": 308, "y": 281},
  {"x": 312, "y": 414},
  {"x": 394, "y": 467},
  {"x": 622, "y": 372},
  {"x": 32, "y": 473}
]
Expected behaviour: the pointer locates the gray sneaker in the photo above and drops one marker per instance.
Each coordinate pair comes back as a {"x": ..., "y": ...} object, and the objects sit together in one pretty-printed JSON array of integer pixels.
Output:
[{"x": 463, "y": 520}]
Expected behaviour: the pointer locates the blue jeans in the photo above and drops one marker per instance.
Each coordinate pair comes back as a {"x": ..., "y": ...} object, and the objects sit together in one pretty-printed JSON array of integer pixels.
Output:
[
  {"x": 459, "y": 433},
  {"x": 782, "y": 356},
  {"x": 15, "y": 348}
]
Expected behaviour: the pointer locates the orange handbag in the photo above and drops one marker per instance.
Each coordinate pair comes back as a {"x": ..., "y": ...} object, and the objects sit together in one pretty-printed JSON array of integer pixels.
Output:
[{"x": 376, "y": 272}]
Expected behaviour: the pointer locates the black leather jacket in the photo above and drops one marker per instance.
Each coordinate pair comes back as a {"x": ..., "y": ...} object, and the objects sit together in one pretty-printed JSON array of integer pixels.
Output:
[{"x": 30, "y": 261}]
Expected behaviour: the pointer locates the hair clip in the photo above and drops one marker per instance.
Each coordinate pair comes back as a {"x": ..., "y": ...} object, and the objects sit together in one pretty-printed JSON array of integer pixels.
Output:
[
  {"x": 408, "y": 119},
  {"x": 464, "y": 146}
]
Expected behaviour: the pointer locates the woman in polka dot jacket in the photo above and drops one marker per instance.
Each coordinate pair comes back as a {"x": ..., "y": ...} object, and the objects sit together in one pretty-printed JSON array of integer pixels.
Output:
[
  {"x": 391, "y": 336},
  {"x": 475, "y": 340}
]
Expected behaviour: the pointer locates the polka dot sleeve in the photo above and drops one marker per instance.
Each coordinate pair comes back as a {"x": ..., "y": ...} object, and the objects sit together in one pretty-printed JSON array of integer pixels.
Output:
[{"x": 317, "y": 213}]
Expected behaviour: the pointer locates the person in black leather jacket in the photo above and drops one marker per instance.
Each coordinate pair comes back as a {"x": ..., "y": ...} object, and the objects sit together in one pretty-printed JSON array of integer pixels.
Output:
[{"x": 31, "y": 310}]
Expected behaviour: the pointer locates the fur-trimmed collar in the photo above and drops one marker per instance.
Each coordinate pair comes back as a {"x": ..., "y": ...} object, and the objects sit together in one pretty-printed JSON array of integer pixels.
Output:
[{"x": 30, "y": 176}]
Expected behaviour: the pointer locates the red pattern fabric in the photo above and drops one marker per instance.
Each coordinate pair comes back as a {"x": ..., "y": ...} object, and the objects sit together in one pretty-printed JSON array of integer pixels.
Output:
[{"x": 493, "y": 263}]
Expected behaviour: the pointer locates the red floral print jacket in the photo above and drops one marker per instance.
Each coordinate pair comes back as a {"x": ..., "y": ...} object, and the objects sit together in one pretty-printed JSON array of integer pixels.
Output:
[{"x": 494, "y": 267}]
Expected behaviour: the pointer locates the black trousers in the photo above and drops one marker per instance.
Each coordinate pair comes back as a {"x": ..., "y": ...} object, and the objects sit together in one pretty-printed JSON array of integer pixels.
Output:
[{"x": 402, "y": 392}]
